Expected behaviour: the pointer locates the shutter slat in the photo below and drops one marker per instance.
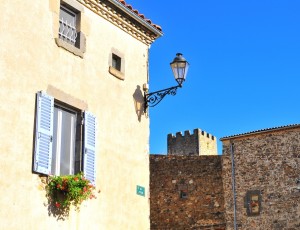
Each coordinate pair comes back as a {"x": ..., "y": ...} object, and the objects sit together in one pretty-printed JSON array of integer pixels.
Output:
[
  {"x": 89, "y": 147},
  {"x": 43, "y": 133}
]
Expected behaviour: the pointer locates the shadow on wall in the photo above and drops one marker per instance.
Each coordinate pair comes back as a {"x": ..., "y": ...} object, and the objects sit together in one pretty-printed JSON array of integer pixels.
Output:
[{"x": 138, "y": 99}]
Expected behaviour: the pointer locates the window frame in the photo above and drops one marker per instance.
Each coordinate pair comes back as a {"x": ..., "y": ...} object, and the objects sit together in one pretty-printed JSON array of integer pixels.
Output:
[
  {"x": 44, "y": 123},
  {"x": 117, "y": 70},
  {"x": 249, "y": 203},
  {"x": 183, "y": 190},
  {"x": 79, "y": 47},
  {"x": 116, "y": 62},
  {"x": 77, "y": 151},
  {"x": 73, "y": 26}
]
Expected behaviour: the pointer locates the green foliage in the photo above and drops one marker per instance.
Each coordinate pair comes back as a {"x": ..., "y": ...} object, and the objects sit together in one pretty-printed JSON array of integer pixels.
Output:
[{"x": 64, "y": 191}]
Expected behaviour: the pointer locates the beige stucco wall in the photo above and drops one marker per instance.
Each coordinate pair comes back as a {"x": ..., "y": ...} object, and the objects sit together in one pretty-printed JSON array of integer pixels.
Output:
[{"x": 31, "y": 61}]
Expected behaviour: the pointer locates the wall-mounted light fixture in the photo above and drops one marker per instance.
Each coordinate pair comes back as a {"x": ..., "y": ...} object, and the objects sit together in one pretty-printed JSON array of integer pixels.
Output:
[{"x": 180, "y": 68}]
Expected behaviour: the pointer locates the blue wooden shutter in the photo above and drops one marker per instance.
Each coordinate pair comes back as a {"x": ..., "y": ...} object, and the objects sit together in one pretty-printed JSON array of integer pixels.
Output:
[
  {"x": 89, "y": 160},
  {"x": 43, "y": 133}
]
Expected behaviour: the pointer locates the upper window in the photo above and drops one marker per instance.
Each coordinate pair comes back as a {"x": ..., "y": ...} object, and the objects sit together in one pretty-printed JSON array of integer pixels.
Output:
[
  {"x": 64, "y": 139},
  {"x": 70, "y": 36},
  {"x": 116, "y": 62},
  {"x": 67, "y": 25}
]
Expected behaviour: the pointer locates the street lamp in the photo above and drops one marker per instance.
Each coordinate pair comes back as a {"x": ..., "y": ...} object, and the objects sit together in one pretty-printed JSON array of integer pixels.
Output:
[{"x": 180, "y": 68}]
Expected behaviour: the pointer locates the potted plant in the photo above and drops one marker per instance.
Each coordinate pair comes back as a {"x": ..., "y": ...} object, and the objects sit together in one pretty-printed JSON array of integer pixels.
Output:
[{"x": 64, "y": 191}]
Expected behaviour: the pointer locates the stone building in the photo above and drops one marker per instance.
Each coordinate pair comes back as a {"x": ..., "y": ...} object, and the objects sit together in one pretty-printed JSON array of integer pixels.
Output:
[
  {"x": 71, "y": 74},
  {"x": 198, "y": 143},
  {"x": 253, "y": 185},
  {"x": 261, "y": 168}
]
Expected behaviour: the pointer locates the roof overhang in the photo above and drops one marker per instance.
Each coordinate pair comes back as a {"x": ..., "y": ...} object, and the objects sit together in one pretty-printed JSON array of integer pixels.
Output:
[
  {"x": 261, "y": 131},
  {"x": 136, "y": 17},
  {"x": 127, "y": 19}
]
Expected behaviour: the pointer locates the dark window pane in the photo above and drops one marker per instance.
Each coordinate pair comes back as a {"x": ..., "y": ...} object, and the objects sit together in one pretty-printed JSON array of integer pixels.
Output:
[{"x": 116, "y": 62}]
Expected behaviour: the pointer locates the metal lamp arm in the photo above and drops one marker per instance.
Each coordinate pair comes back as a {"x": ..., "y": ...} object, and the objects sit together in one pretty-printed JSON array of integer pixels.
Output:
[{"x": 152, "y": 99}]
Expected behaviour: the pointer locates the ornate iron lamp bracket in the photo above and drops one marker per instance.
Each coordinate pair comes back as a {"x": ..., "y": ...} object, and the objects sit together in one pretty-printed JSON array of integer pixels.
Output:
[
  {"x": 179, "y": 67},
  {"x": 152, "y": 99}
]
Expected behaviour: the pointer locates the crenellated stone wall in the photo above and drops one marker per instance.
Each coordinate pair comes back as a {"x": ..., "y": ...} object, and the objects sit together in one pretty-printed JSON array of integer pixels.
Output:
[
  {"x": 198, "y": 143},
  {"x": 186, "y": 192}
]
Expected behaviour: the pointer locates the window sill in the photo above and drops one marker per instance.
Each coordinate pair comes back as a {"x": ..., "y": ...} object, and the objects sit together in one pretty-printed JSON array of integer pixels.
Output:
[
  {"x": 69, "y": 47},
  {"x": 116, "y": 73}
]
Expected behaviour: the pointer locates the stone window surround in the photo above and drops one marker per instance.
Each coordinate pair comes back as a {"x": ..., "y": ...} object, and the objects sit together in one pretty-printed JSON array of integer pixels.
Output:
[
  {"x": 247, "y": 201},
  {"x": 76, "y": 6},
  {"x": 66, "y": 98},
  {"x": 118, "y": 74}
]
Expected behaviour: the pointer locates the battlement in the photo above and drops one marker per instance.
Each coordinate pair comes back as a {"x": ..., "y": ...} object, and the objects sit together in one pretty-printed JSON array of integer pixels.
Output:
[
  {"x": 197, "y": 143},
  {"x": 187, "y": 133}
]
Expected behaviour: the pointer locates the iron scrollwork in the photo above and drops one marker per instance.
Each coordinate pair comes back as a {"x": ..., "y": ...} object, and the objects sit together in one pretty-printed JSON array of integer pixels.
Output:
[{"x": 152, "y": 99}]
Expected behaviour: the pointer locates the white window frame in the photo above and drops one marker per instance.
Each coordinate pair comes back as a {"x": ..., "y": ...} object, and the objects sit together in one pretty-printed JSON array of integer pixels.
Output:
[{"x": 57, "y": 152}]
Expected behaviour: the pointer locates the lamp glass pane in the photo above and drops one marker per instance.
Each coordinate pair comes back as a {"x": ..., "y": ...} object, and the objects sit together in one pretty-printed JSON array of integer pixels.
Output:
[{"x": 179, "y": 70}]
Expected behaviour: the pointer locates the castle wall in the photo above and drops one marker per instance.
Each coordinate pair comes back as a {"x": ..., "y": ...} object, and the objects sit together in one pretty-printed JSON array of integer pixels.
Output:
[
  {"x": 198, "y": 143},
  {"x": 266, "y": 163},
  {"x": 186, "y": 192}
]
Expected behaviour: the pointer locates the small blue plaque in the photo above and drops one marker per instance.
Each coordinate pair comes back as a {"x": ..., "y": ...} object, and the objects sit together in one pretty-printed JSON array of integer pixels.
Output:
[{"x": 140, "y": 190}]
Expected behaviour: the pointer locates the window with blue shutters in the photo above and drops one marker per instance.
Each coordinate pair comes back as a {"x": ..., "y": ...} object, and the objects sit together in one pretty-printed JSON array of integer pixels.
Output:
[{"x": 65, "y": 141}]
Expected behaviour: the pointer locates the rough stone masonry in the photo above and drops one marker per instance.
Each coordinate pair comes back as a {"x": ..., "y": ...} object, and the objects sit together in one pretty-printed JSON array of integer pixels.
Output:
[
  {"x": 259, "y": 169},
  {"x": 186, "y": 192}
]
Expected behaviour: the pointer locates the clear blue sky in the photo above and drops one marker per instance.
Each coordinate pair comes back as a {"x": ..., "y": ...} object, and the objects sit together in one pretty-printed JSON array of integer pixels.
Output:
[{"x": 244, "y": 66}]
